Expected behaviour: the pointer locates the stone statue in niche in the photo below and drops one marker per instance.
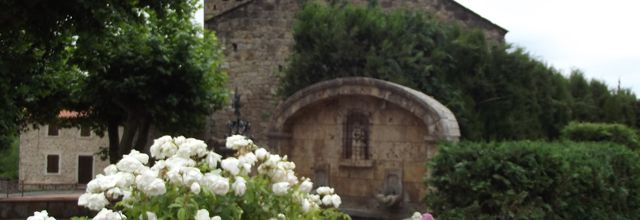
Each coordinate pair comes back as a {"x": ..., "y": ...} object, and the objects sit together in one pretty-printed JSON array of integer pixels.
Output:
[
  {"x": 357, "y": 136},
  {"x": 392, "y": 191}
]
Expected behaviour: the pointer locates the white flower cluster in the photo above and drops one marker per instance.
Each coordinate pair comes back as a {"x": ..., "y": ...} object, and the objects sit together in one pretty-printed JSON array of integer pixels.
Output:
[
  {"x": 185, "y": 163},
  {"x": 42, "y": 215},
  {"x": 203, "y": 214}
]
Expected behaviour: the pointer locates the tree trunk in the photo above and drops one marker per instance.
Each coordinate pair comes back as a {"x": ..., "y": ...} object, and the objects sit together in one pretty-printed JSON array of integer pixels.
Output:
[
  {"x": 129, "y": 133},
  {"x": 142, "y": 135},
  {"x": 114, "y": 151}
]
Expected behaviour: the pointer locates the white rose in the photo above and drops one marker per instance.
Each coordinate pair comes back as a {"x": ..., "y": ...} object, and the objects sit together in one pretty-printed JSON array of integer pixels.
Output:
[
  {"x": 306, "y": 186},
  {"x": 262, "y": 154},
  {"x": 144, "y": 180},
  {"x": 106, "y": 214},
  {"x": 167, "y": 150},
  {"x": 93, "y": 201},
  {"x": 198, "y": 147},
  {"x": 190, "y": 175},
  {"x": 239, "y": 186},
  {"x": 124, "y": 180},
  {"x": 143, "y": 158},
  {"x": 237, "y": 141},
  {"x": 195, "y": 188},
  {"x": 185, "y": 150},
  {"x": 336, "y": 201},
  {"x": 249, "y": 158},
  {"x": 156, "y": 149},
  {"x": 202, "y": 214},
  {"x": 159, "y": 165},
  {"x": 305, "y": 205},
  {"x": 178, "y": 162},
  {"x": 107, "y": 182},
  {"x": 324, "y": 190},
  {"x": 156, "y": 188},
  {"x": 213, "y": 159},
  {"x": 174, "y": 176},
  {"x": 129, "y": 164},
  {"x": 179, "y": 140},
  {"x": 327, "y": 200},
  {"x": 314, "y": 198},
  {"x": 280, "y": 188},
  {"x": 42, "y": 215},
  {"x": 216, "y": 218},
  {"x": 231, "y": 164},
  {"x": 151, "y": 216},
  {"x": 110, "y": 170},
  {"x": 292, "y": 178},
  {"x": 215, "y": 183},
  {"x": 278, "y": 175},
  {"x": 93, "y": 186}
]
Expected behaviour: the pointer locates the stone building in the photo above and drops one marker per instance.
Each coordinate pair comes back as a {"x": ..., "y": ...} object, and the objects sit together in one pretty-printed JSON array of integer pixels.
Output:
[
  {"x": 368, "y": 138},
  {"x": 59, "y": 157}
]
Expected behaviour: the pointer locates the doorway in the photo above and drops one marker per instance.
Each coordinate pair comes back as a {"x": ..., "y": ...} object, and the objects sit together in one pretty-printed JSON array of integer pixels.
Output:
[{"x": 85, "y": 169}]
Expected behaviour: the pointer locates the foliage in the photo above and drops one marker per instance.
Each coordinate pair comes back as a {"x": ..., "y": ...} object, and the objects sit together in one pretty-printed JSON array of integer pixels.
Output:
[
  {"x": 495, "y": 90},
  {"x": 164, "y": 72},
  {"x": 187, "y": 181},
  {"x": 9, "y": 158},
  {"x": 36, "y": 43},
  {"x": 534, "y": 180},
  {"x": 616, "y": 133}
]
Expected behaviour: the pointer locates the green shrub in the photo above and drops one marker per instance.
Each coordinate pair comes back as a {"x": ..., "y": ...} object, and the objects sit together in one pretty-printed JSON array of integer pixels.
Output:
[
  {"x": 9, "y": 160},
  {"x": 601, "y": 132},
  {"x": 534, "y": 180}
]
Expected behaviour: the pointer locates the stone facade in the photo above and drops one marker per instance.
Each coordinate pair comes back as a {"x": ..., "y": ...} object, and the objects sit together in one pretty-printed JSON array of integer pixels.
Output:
[
  {"x": 69, "y": 145},
  {"x": 257, "y": 36},
  {"x": 402, "y": 128}
]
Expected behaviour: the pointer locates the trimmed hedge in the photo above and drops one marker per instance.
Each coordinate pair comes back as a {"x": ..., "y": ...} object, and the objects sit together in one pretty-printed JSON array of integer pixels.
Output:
[
  {"x": 534, "y": 180},
  {"x": 600, "y": 132}
]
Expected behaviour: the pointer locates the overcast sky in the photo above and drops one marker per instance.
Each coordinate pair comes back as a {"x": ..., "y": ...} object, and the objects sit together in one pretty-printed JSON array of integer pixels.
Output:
[{"x": 602, "y": 38}]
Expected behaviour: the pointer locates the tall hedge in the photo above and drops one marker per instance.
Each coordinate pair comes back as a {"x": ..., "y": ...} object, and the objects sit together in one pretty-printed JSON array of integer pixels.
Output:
[
  {"x": 535, "y": 180},
  {"x": 602, "y": 132}
]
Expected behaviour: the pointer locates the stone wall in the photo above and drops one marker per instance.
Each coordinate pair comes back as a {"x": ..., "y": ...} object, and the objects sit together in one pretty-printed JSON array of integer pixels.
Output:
[
  {"x": 257, "y": 39},
  {"x": 397, "y": 143},
  {"x": 35, "y": 144},
  {"x": 257, "y": 36},
  {"x": 402, "y": 127}
]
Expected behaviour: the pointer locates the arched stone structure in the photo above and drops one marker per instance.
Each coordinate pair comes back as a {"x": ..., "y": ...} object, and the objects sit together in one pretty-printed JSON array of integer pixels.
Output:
[
  {"x": 395, "y": 132},
  {"x": 443, "y": 122}
]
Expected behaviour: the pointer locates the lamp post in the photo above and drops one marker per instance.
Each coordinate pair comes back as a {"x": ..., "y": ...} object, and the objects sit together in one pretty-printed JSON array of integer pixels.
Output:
[{"x": 237, "y": 125}]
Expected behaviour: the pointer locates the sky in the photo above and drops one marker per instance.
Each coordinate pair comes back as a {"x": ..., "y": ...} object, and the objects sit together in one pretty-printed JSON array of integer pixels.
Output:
[{"x": 601, "y": 38}]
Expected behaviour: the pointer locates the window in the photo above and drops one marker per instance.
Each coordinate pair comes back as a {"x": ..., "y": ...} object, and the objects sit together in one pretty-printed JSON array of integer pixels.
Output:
[
  {"x": 53, "y": 130},
  {"x": 356, "y": 144},
  {"x": 53, "y": 163},
  {"x": 85, "y": 131}
]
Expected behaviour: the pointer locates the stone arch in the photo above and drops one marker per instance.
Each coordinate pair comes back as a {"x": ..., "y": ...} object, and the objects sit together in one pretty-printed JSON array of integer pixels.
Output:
[{"x": 439, "y": 120}]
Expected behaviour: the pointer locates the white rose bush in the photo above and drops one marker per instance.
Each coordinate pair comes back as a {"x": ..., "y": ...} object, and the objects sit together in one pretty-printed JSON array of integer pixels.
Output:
[{"x": 187, "y": 181}]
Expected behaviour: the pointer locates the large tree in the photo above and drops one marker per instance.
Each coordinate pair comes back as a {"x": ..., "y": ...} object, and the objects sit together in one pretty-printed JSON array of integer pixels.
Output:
[
  {"x": 163, "y": 73},
  {"x": 36, "y": 43},
  {"x": 131, "y": 64}
]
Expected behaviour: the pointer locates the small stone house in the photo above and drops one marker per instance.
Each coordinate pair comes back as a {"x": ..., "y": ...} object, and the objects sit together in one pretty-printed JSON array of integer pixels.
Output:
[{"x": 51, "y": 156}]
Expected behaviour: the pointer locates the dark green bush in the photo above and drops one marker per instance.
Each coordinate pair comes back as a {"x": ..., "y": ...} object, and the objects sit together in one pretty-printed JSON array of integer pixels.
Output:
[
  {"x": 535, "y": 180},
  {"x": 601, "y": 132},
  {"x": 9, "y": 160}
]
